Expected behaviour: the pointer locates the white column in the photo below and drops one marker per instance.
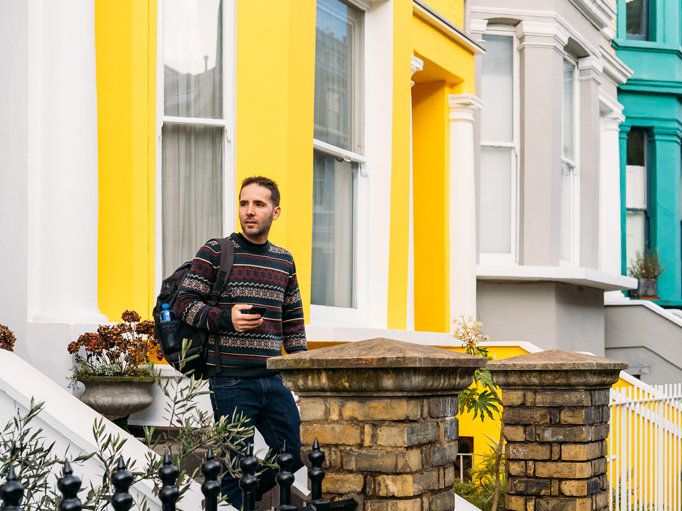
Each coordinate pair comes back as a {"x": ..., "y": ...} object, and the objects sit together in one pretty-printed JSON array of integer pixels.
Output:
[
  {"x": 417, "y": 64},
  {"x": 63, "y": 184},
  {"x": 610, "y": 227},
  {"x": 462, "y": 205}
]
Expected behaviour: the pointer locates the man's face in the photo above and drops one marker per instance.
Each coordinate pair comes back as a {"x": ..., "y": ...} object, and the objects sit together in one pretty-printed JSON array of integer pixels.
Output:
[{"x": 256, "y": 212}]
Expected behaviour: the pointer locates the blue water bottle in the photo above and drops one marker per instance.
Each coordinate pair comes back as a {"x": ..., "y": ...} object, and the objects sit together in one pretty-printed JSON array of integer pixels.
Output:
[{"x": 166, "y": 313}]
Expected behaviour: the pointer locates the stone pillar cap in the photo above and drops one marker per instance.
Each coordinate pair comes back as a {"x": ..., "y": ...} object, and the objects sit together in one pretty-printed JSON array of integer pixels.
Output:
[
  {"x": 556, "y": 369},
  {"x": 379, "y": 366},
  {"x": 379, "y": 352}
]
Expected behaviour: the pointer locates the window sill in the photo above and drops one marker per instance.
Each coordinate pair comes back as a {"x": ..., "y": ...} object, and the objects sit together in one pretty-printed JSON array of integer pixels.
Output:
[{"x": 570, "y": 275}]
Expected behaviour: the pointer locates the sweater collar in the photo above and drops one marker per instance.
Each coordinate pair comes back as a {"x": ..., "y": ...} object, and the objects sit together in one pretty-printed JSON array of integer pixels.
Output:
[{"x": 251, "y": 247}]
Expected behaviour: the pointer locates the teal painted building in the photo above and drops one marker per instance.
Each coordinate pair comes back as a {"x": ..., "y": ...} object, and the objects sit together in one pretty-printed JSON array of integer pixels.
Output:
[{"x": 648, "y": 40}]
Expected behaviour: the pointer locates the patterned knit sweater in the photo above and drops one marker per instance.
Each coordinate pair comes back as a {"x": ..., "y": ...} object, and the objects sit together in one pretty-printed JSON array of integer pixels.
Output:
[{"x": 262, "y": 275}]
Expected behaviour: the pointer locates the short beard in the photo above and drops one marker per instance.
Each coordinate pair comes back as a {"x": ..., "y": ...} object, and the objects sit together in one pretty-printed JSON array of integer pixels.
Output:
[{"x": 257, "y": 231}]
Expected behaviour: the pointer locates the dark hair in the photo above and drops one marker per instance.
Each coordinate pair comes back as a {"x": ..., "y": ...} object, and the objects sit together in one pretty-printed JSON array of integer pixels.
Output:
[{"x": 265, "y": 183}]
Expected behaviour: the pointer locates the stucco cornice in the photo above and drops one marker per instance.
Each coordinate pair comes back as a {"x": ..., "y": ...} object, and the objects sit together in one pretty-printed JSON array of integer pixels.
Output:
[
  {"x": 614, "y": 68},
  {"x": 524, "y": 14},
  {"x": 655, "y": 86},
  {"x": 542, "y": 29},
  {"x": 599, "y": 12}
]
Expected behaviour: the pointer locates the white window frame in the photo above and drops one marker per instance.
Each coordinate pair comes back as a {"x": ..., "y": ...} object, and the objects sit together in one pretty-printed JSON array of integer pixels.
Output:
[
  {"x": 575, "y": 177},
  {"x": 227, "y": 122},
  {"x": 322, "y": 315},
  {"x": 512, "y": 257}
]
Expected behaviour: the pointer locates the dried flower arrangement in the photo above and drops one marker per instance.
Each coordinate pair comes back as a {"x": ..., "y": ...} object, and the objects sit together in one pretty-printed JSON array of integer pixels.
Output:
[
  {"x": 124, "y": 349},
  {"x": 647, "y": 265},
  {"x": 6, "y": 339}
]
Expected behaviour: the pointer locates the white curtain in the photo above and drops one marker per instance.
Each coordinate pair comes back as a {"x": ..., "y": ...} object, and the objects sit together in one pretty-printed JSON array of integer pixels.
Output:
[
  {"x": 332, "y": 264},
  {"x": 192, "y": 191}
]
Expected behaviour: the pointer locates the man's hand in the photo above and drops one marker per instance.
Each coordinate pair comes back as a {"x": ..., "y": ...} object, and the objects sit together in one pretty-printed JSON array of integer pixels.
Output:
[{"x": 244, "y": 322}]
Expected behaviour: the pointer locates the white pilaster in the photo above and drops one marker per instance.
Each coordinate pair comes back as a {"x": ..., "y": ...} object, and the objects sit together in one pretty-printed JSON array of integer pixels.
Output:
[
  {"x": 417, "y": 64},
  {"x": 62, "y": 164},
  {"x": 609, "y": 198},
  {"x": 462, "y": 205}
]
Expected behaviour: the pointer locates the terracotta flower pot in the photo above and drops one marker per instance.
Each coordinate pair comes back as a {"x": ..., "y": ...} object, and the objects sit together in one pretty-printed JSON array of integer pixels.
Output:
[{"x": 117, "y": 396}]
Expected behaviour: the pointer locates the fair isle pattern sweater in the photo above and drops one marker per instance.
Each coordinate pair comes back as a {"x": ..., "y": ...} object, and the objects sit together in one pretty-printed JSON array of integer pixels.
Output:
[{"x": 263, "y": 275}]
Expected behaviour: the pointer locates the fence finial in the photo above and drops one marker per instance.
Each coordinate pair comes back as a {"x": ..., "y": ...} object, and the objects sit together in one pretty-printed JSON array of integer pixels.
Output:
[
  {"x": 69, "y": 485},
  {"x": 211, "y": 487},
  {"x": 121, "y": 479},
  {"x": 248, "y": 482},
  {"x": 11, "y": 492},
  {"x": 316, "y": 473},
  {"x": 285, "y": 478},
  {"x": 168, "y": 474}
]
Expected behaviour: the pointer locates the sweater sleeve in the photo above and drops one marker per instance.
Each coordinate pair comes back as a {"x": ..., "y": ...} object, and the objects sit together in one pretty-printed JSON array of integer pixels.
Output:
[
  {"x": 191, "y": 305},
  {"x": 293, "y": 328}
]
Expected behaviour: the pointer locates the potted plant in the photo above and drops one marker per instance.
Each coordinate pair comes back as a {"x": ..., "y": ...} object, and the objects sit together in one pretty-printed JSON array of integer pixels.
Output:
[
  {"x": 115, "y": 366},
  {"x": 647, "y": 268}
]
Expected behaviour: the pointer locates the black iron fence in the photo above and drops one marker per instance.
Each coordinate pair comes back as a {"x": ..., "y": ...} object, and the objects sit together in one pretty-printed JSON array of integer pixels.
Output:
[{"x": 12, "y": 493}]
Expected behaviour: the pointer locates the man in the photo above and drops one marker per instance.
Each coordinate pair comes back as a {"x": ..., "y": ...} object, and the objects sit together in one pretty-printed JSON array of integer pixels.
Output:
[{"x": 262, "y": 275}]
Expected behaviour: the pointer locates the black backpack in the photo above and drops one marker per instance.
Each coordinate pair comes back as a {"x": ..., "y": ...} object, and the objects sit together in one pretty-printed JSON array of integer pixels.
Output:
[{"x": 172, "y": 333}]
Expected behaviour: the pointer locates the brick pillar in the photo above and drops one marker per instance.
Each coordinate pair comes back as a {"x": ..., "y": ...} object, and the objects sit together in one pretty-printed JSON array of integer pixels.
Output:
[
  {"x": 556, "y": 420},
  {"x": 384, "y": 412}
]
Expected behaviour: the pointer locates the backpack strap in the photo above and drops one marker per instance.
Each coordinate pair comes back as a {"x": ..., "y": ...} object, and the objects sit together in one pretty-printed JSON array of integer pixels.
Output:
[{"x": 226, "y": 261}]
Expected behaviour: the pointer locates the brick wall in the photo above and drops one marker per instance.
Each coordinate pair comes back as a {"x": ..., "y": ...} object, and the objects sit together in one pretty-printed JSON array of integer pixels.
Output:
[{"x": 393, "y": 454}]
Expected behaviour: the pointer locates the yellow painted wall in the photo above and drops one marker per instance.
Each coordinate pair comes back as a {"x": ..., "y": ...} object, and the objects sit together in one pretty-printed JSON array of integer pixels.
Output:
[
  {"x": 444, "y": 59},
  {"x": 400, "y": 168},
  {"x": 274, "y": 109},
  {"x": 125, "y": 40},
  {"x": 451, "y": 9},
  {"x": 431, "y": 181},
  {"x": 275, "y": 92},
  {"x": 448, "y": 69}
]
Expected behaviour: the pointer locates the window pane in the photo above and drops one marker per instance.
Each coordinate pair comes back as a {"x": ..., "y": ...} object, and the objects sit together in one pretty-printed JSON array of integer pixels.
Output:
[
  {"x": 637, "y": 18},
  {"x": 338, "y": 75},
  {"x": 192, "y": 57},
  {"x": 566, "y": 226},
  {"x": 569, "y": 111},
  {"x": 635, "y": 187},
  {"x": 635, "y": 234},
  {"x": 333, "y": 212},
  {"x": 637, "y": 142},
  {"x": 192, "y": 191},
  {"x": 497, "y": 89},
  {"x": 496, "y": 189}
]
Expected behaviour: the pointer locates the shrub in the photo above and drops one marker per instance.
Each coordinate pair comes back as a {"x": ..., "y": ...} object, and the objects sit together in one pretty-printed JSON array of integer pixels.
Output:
[
  {"x": 123, "y": 349},
  {"x": 6, "y": 339}
]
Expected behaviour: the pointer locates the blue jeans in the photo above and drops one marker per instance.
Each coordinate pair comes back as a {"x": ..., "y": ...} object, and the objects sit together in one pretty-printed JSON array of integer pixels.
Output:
[{"x": 269, "y": 406}]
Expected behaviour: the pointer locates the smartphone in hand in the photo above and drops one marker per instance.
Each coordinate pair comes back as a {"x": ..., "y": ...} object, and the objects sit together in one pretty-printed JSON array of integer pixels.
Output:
[{"x": 256, "y": 309}]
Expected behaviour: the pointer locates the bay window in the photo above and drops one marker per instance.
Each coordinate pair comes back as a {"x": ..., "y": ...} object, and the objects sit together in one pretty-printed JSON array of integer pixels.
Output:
[
  {"x": 338, "y": 152},
  {"x": 570, "y": 186},
  {"x": 499, "y": 148},
  {"x": 636, "y": 195},
  {"x": 193, "y": 127}
]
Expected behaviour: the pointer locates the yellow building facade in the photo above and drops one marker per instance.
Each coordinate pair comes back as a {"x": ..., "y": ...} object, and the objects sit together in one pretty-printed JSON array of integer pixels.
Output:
[{"x": 402, "y": 63}]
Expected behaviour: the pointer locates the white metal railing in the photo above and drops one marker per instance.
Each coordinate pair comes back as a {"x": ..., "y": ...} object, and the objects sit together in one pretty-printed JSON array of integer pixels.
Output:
[{"x": 645, "y": 448}]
